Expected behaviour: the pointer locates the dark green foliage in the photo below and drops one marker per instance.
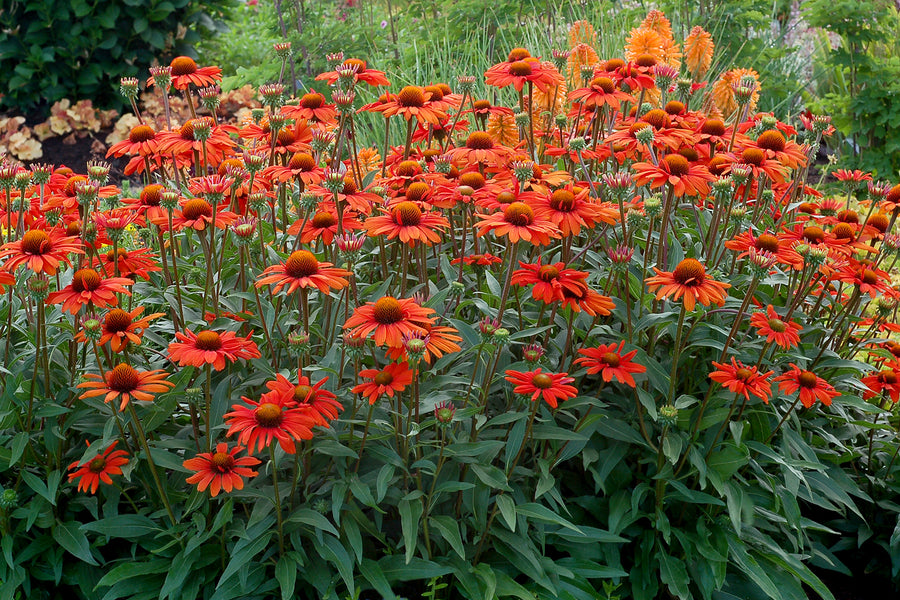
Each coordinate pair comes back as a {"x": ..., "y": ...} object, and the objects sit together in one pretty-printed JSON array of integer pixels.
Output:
[{"x": 79, "y": 49}]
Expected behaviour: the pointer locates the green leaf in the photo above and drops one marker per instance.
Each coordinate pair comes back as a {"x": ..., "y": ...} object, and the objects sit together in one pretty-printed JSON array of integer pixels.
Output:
[
  {"x": 73, "y": 540},
  {"x": 38, "y": 486},
  {"x": 449, "y": 529},
  {"x": 491, "y": 476},
  {"x": 542, "y": 513},
  {"x": 507, "y": 510},
  {"x": 336, "y": 554},
  {"x": 374, "y": 575},
  {"x": 17, "y": 447},
  {"x": 286, "y": 574},
  {"x": 243, "y": 554},
  {"x": 410, "y": 514},
  {"x": 124, "y": 526},
  {"x": 673, "y": 573},
  {"x": 129, "y": 569},
  {"x": 311, "y": 517}
]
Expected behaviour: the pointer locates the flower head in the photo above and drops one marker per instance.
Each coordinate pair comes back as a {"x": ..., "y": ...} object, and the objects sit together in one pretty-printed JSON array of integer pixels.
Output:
[
  {"x": 552, "y": 387},
  {"x": 608, "y": 360},
  {"x": 220, "y": 470},
  {"x": 689, "y": 279},
  {"x": 211, "y": 347},
  {"x": 273, "y": 417},
  {"x": 91, "y": 472},
  {"x": 392, "y": 378},
  {"x": 126, "y": 383},
  {"x": 811, "y": 386},
  {"x": 741, "y": 379}
]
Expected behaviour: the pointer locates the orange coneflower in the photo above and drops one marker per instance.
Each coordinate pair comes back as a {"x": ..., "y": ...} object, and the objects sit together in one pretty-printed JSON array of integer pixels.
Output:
[
  {"x": 548, "y": 281},
  {"x": 885, "y": 380},
  {"x": 741, "y": 379},
  {"x": 211, "y": 347},
  {"x": 785, "y": 334},
  {"x": 600, "y": 91},
  {"x": 324, "y": 224},
  {"x": 480, "y": 148},
  {"x": 6, "y": 278},
  {"x": 313, "y": 107},
  {"x": 141, "y": 141},
  {"x": 273, "y": 417},
  {"x": 184, "y": 143},
  {"x": 88, "y": 286},
  {"x": 126, "y": 383},
  {"x": 811, "y": 386},
  {"x": 520, "y": 68},
  {"x": 302, "y": 166},
  {"x": 302, "y": 270},
  {"x": 552, "y": 387},
  {"x": 778, "y": 148},
  {"x": 608, "y": 360},
  {"x": 132, "y": 263},
  {"x": 146, "y": 205},
  {"x": 689, "y": 279},
  {"x": 686, "y": 178},
  {"x": 220, "y": 470},
  {"x": 413, "y": 102},
  {"x": 389, "y": 319},
  {"x": 392, "y": 378},
  {"x": 120, "y": 327},
  {"x": 363, "y": 73},
  {"x": 321, "y": 404},
  {"x": 197, "y": 213},
  {"x": 90, "y": 473},
  {"x": 582, "y": 297},
  {"x": 570, "y": 208},
  {"x": 405, "y": 220},
  {"x": 185, "y": 72},
  {"x": 518, "y": 221},
  {"x": 40, "y": 251}
]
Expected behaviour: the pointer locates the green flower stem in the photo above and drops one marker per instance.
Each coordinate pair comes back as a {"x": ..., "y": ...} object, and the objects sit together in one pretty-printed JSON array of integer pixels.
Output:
[
  {"x": 278, "y": 514},
  {"x": 159, "y": 486}
]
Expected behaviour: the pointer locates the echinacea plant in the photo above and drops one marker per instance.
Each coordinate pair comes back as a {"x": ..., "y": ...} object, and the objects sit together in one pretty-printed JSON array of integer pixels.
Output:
[{"x": 603, "y": 335}]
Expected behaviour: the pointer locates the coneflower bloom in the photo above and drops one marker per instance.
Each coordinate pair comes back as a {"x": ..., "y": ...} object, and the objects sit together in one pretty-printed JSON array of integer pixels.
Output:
[
  {"x": 312, "y": 106},
  {"x": 408, "y": 222},
  {"x": 211, "y": 347},
  {"x": 548, "y": 281},
  {"x": 90, "y": 473},
  {"x": 363, "y": 73},
  {"x": 552, "y": 387},
  {"x": 184, "y": 141},
  {"x": 600, "y": 91},
  {"x": 392, "y": 378},
  {"x": 126, "y": 383},
  {"x": 520, "y": 68},
  {"x": 197, "y": 213},
  {"x": 139, "y": 262},
  {"x": 584, "y": 298},
  {"x": 321, "y": 404},
  {"x": 6, "y": 279},
  {"x": 302, "y": 167},
  {"x": 389, "y": 319},
  {"x": 480, "y": 148},
  {"x": 741, "y": 379},
  {"x": 273, "y": 417},
  {"x": 776, "y": 147},
  {"x": 675, "y": 170},
  {"x": 324, "y": 224},
  {"x": 301, "y": 270},
  {"x": 784, "y": 334},
  {"x": 141, "y": 141},
  {"x": 608, "y": 360},
  {"x": 519, "y": 222},
  {"x": 120, "y": 328},
  {"x": 88, "y": 286},
  {"x": 570, "y": 208},
  {"x": 884, "y": 381},
  {"x": 811, "y": 386},
  {"x": 40, "y": 251},
  {"x": 185, "y": 72},
  {"x": 689, "y": 279},
  {"x": 413, "y": 102},
  {"x": 220, "y": 470}
]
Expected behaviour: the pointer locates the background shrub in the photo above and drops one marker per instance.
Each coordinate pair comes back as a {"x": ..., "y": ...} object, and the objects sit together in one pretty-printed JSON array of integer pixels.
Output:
[{"x": 53, "y": 49}]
